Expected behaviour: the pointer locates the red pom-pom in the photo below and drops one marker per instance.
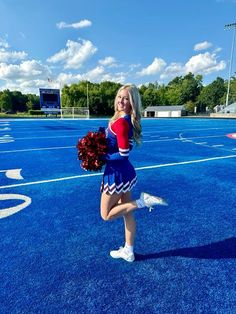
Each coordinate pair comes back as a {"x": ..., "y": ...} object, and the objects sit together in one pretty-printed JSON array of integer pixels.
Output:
[{"x": 91, "y": 148}]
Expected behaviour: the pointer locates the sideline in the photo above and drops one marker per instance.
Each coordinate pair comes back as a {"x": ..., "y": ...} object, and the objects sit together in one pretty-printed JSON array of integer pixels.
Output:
[{"x": 100, "y": 174}]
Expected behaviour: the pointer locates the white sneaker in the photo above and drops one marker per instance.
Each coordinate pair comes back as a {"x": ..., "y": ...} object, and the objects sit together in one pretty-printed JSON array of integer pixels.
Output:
[
  {"x": 150, "y": 200},
  {"x": 123, "y": 253}
]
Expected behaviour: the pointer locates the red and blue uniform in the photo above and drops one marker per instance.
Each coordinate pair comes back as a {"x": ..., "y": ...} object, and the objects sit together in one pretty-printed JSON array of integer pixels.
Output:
[{"x": 119, "y": 175}]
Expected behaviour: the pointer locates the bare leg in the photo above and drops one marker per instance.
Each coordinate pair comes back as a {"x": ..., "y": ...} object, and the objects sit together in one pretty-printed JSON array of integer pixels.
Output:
[
  {"x": 130, "y": 228},
  {"x": 120, "y": 201},
  {"x": 110, "y": 209},
  {"x": 129, "y": 222},
  {"x": 107, "y": 202}
]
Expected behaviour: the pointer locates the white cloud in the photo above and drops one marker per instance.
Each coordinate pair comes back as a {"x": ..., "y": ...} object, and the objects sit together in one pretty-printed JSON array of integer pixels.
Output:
[
  {"x": 4, "y": 43},
  {"x": 134, "y": 66},
  {"x": 217, "y": 50},
  {"x": 31, "y": 86},
  {"x": 156, "y": 66},
  {"x": 98, "y": 74},
  {"x": 94, "y": 74},
  {"x": 66, "y": 78},
  {"x": 108, "y": 61},
  {"x": 75, "y": 55},
  {"x": 172, "y": 70},
  {"x": 81, "y": 24},
  {"x": 26, "y": 70},
  {"x": 202, "y": 46},
  {"x": 204, "y": 64},
  {"x": 119, "y": 77},
  {"x": 17, "y": 73},
  {"x": 11, "y": 56}
]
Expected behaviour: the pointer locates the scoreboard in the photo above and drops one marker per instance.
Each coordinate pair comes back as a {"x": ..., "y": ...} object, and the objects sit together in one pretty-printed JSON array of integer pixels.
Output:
[{"x": 50, "y": 101}]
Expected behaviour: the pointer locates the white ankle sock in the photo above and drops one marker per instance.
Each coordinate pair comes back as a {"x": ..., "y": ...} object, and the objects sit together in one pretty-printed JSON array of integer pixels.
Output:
[
  {"x": 129, "y": 248},
  {"x": 140, "y": 203}
]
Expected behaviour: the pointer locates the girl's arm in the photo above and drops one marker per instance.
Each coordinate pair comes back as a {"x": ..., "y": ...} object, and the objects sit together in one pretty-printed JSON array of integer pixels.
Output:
[{"x": 121, "y": 129}]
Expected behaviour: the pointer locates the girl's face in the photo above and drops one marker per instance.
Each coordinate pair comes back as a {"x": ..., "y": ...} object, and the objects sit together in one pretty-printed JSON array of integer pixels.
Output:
[{"x": 123, "y": 103}]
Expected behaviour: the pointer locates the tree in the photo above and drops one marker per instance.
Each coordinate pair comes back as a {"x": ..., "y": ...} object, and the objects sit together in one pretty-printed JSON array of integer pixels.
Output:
[
  {"x": 33, "y": 102},
  {"x": 183, "y": 89},
  {"x": 6, "y": 101},
  {"x": 108, "y": 92},
  {"x": 189, "y": 106},
  {"x": 191, "y": 87},
  {"x": 151, "y": 96},
  {"x": 19, "y": 101},
  {"x": 211, "y": 95},
  {"x": 174, "y": 95}
]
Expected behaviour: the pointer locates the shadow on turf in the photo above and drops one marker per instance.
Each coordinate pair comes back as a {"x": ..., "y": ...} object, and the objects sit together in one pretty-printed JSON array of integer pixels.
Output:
[{"x": 217, "y": 250}]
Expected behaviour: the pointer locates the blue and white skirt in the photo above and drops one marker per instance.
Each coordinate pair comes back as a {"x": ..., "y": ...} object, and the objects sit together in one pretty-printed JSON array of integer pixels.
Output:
[{"x": 119, "y": 177}]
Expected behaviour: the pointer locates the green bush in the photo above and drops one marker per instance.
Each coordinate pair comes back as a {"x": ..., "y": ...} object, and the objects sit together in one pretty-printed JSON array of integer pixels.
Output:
[{"x": 36, "y": 112}]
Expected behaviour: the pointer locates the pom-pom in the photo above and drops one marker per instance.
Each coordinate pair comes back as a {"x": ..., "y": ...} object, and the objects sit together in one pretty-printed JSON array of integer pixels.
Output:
[{"x": 92, "y": 149}]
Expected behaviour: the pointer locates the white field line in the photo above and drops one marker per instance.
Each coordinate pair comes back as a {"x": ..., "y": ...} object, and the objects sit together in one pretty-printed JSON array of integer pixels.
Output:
[
  {"x": 35, "y": 149},
  {"x": 187, "y": 130},
  {"x": 182, "y": 139},
  {"x": 66, "y": 147},
  {"x": 209, "y": 136},
  {"x": 217, "y": 146},
  {"x": 48, "y": 119},
  {"x": 43, "y": 137},
  {"x": 59, "y": 147},
  {"x": 100, "y": 174},
  {"x": 79, "y": 131},
  {"x": 78, "y": 135},
  {"x": 144, "y": 133}
]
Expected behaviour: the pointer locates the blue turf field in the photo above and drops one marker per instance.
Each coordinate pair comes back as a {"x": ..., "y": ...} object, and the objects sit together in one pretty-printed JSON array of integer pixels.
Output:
[{"x": 55, "y": 251}]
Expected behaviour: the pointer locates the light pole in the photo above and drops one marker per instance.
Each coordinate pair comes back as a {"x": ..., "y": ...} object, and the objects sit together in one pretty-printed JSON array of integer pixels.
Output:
[
  {"x": 87, "y": 96},
  {"x": 230, "y": 26}
]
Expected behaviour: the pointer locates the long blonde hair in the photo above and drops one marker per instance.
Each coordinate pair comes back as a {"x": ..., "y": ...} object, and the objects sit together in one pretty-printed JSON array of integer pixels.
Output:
[{"x": 136, "y": 105}]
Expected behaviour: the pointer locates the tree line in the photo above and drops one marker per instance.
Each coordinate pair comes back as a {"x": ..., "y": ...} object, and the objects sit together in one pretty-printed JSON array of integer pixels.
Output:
[{"x": 185, "y": 90}]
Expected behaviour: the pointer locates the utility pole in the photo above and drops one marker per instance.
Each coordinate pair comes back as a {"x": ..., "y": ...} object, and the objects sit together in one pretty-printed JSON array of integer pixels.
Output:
[{"x": 230, "y": 26}]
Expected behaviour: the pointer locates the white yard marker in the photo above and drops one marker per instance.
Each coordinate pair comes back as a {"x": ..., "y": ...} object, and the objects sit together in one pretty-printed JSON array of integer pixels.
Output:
[
  {"x": 6, "y": 139},
  {"x": 14, "y": 209},
  {"x": 13, "y": 174}
]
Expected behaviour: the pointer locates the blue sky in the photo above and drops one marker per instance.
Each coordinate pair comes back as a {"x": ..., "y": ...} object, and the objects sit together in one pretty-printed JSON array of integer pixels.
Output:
[{"x": 124, "y": 41}]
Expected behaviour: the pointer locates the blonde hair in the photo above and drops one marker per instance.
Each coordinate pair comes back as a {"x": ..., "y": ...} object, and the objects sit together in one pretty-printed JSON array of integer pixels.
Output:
[{"x": 136, "y": 105}]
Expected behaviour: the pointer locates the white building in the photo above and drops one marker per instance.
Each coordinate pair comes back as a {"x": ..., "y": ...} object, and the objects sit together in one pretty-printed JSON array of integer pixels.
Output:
[
  {"x": 229, "y": 109},
  {"x": 164, "y": 111}
]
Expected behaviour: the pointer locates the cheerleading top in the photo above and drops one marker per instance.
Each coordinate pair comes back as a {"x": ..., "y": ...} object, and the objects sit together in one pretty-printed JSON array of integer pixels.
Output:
[
  {"x": 119, "y": 174},
  {"x": 119, "y": 139}
]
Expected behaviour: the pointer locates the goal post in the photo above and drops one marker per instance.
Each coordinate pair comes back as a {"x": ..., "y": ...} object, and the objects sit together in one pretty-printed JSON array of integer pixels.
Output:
[{"x": 74, "y": 112}]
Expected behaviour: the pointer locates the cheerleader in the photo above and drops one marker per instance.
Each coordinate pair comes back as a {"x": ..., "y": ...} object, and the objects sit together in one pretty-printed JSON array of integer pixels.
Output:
[{"x": 119, "y": 176}]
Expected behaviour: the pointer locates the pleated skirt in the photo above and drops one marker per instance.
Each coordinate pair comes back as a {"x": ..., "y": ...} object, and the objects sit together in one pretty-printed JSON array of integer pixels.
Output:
[{"x": 119, "y": 177}]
